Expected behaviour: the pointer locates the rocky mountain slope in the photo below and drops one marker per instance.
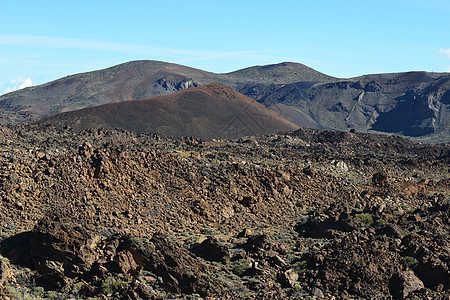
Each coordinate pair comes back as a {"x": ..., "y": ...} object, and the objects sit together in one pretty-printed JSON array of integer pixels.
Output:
[
  {"x": 324, "y": 214},
  {"x": 207, "y": 112},
  {"x": 414, "y": 104}
]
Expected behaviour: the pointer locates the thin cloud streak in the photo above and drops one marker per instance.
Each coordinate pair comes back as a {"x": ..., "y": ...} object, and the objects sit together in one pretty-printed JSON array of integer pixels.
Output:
[
  {"x": 70, "y": 43},
  {"x": 82, "y": 44}
]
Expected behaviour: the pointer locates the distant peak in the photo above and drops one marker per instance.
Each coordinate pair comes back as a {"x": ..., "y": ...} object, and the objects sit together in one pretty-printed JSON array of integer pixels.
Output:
[
  {"x": 285, "y": 72},
  {"x": 288, "y": 64}
]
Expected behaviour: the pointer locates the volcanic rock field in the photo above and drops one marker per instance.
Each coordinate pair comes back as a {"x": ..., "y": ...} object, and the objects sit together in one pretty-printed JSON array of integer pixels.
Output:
[{"x": 307, "y": 214}]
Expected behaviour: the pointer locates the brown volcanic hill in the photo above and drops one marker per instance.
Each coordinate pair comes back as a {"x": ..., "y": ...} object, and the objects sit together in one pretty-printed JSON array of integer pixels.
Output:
[
  {"x": 128, "y": 81},
  {"x": 210, "y": 111}
]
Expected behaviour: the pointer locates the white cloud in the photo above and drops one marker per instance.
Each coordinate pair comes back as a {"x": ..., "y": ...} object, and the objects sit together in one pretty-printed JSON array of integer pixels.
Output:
[
  {"x": 18, "y": 83},
  {"x": 445, "y": 52}
]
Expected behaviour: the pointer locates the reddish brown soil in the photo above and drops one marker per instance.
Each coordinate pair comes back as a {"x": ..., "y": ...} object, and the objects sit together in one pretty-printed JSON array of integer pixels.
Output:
[{"x": 207, "y": 112}]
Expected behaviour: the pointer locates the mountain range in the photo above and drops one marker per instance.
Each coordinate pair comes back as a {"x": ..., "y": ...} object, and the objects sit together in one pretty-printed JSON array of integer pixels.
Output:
[{"x": 413, "y": 104}]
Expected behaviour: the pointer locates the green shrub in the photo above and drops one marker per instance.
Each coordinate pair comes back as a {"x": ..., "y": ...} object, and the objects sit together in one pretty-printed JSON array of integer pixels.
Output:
[
  {"x": 208, "y": 231},
  {"x": 240, "y": 266},
  {"x": 298, "y": 288},
  {"x": 77, "y": 287},
  {"x": 38, "y": 291},
  {"x": 142, "y": 243},
  {"x": 13, "y": 292},
  {"x": 112, "y": 284},
  {"x": 300, "y": 265},
  {"x": 380, "y": 222},
  {"x": 52, "y": 294},
  {"x": 410, "y": 262},
  {"x": 364, "y": 218}
]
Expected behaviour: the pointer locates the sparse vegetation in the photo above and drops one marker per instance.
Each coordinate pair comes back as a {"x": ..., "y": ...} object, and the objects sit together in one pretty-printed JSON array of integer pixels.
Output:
[
  {"x": 240, "y": 266},
  {"x": 410, "y": 262},
  {"x": 77, "y": 287},
  {"x": 112, "y": 284},
  {"x": 398, "y": 212},
  {"x": 300, "y": 265},
  {"x": 364, "y": 218},
  {"x": 380, "y": 222}
]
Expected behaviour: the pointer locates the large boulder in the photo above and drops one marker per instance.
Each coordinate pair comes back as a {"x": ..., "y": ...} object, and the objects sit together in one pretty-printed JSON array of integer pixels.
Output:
[
  {"x": 212, "y": 249},
  {"x": 403, "y": 283}
]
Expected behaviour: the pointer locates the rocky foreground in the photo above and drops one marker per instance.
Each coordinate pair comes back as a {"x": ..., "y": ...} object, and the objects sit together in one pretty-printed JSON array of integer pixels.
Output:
[{"x": 310, "y": 214}]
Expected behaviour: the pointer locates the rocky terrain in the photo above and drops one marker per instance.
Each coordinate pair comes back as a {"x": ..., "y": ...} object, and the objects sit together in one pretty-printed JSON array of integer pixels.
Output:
[
  {"x": 210, "y": 111},
  {"x": 413, "y": 104},
  {"x": 109, "y": 214}
]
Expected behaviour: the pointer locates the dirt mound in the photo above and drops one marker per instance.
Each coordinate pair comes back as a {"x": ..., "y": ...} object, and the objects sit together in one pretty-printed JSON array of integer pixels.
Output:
[{"x": 211, "y": 111}]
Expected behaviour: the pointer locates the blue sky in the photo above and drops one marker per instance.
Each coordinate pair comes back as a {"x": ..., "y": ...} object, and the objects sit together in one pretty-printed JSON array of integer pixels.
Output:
[{"x": 44, "y": 40}]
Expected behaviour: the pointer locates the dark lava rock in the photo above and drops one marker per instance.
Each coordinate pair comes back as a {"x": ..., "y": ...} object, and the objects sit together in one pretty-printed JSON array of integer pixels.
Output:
[
  {"x": 247, "y": 201},
  {"x": 379, "y": 179},
  {"x": 128, "y": 207},
  {"x": 392, "y": 230},
  {"x": 289, "y": 278},
  {"x": 257, "y": 242},
  {"x": 317, "y": 228},
  {"x": 211, "y": 249},
  {"x": 434, "y": 272},
  {"x": 59, "y": 252},
  {"x": 308, "y": 171},
  {"x": 403, "y": 283}
]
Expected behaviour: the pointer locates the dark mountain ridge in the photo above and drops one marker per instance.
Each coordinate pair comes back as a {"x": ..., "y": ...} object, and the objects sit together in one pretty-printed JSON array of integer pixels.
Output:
[{"x": 414, "y": 104}]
